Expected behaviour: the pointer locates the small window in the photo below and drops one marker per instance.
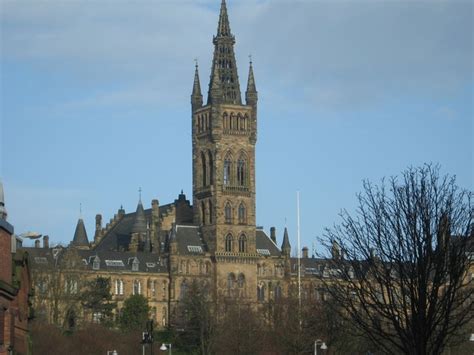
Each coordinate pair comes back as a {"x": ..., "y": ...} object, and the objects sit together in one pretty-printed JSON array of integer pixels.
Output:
[{"x": 135, "y": 265}]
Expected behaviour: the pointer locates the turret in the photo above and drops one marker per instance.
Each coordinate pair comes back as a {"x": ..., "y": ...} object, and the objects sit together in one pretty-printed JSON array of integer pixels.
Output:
[
  {"x": 80, "y": 235},
  {"x": 139, "y": 229}
]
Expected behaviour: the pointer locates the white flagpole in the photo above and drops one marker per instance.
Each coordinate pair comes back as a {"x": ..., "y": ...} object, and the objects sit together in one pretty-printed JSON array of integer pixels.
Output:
[{"x": 299, "y": 246}]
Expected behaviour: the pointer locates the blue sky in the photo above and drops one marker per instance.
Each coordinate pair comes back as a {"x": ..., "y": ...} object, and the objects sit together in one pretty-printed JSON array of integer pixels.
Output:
[{"x": 95, "y": 102}]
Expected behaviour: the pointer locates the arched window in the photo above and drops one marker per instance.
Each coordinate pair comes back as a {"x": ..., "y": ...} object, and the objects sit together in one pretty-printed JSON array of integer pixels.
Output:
[
  {"x": 204, "y": 169},
  {"x": 183, "y": 290},
  {"x": 230, "y": 280},
  {"x": 211, "y": 168},
  {"x": 210, "y": 212},
  {"x": 137, "y": 287},
  {"x": 228, "y": 213},
  {"x": 228, "y": 242},
  {"x": 277, "y": 292},
  {"x": 241, "y": 171},
  {"x": 203, "y": 212},
  {"x": 242, "y": 244},
  {"x": 241, "y": 281},
  {"x": 153, "y": 288},
  {"x": 232, "y": 121},
  {"x": 227, "y": 169},
  {"x": 119, "y": 287},
  {"x": 242, "y": 214},
  {"x": 261, "y": 293},
  {"x": 239, "y": 121}
]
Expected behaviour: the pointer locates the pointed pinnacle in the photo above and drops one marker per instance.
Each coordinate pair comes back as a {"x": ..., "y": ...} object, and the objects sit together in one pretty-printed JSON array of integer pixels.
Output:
[
  {"x": 251, "y": 80},
  {"x": 223, "y": 28},
  {"x": 197, "y": 83}
]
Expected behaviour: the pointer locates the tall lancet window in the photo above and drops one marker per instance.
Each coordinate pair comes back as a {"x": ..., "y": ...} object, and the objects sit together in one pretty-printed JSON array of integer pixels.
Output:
[
  {"x": 204, "y": 169},
  {"x": 242, "y": 214},
  {"x": 242, "y": 244},
  {"x": 211, "y": 168},
  {"x": 203, "y": 212},
  {"x": 228, "y": 242},
  {"x": 227, "y": 170},
  {"x": 241, "y": 173},
  {"x": 228, "y": 213}
]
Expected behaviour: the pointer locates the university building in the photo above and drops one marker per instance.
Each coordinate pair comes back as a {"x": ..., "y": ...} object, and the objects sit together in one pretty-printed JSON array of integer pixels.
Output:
[{"x": 158, "y": 251}]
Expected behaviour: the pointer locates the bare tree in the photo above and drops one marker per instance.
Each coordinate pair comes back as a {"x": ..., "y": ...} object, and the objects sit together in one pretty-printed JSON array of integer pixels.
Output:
[{"x": 399, "y": 267}]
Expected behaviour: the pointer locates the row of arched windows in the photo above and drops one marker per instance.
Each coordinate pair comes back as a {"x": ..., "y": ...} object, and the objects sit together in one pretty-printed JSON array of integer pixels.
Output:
[
  {"x": 275, "y": 292},
  {"x": 229, "y": 213},
  {"x": 235, "y": 122},
  {"x": 242, "y": 243},
  {"x": 235, "y": 172}
]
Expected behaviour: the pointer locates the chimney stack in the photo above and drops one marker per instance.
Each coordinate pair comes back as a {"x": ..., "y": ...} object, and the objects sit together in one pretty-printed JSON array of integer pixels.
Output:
[
  {"x": 37, "y": 243},
  {"x": 305, "y": 252},
  {"x": 46, "y": 242},
  {"x": 273, "y": 234}
]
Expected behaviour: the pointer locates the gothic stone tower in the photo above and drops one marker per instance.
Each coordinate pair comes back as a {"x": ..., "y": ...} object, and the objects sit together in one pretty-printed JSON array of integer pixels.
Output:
[{"x": 224, "y": 133}]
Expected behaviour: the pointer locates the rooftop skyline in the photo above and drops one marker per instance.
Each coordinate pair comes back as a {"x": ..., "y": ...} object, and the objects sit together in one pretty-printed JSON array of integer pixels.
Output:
[{"x": 96, "y": 103}]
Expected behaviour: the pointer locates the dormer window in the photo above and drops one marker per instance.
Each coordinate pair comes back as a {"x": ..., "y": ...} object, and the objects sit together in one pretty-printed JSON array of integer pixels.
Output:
[
  {"x": 96, "y": 263},
  {"x": 135, "y": 264}
]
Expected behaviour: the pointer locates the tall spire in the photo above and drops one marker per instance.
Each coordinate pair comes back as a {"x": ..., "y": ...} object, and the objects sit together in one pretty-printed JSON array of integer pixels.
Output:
[
  {"x": 251, "y": 93},
  {"x": 224, "y": 67},
  {"x": 196, "y": 96},
  {"x": 3, "y": 210},
  {"x": 223, "y": 28}
]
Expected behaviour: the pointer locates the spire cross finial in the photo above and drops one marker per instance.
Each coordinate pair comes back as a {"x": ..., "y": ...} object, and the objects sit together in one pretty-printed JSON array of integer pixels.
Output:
[
  {"x": 196, "y": 62},
  {"x": 80, "y": 209},
  {"x": 250, "y": 58},
  {"x": 140, "y": 193}
]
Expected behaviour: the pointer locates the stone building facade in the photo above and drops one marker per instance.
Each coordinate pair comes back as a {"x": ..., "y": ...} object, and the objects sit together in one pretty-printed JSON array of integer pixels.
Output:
[{"x": 159, "y": 251}]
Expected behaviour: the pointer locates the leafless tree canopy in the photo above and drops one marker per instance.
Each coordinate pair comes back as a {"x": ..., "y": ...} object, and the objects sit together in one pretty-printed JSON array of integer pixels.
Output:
[{"x": 400, "y": 264}]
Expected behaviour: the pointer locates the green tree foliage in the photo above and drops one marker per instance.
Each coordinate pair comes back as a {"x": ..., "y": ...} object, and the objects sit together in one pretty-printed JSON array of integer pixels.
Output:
[
  {"x": 97, "y": 300},
  {"x": 134, "y": 314}
]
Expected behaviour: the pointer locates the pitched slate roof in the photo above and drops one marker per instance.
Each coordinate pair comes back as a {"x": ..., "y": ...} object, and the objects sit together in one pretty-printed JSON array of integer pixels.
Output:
[
  {"x": 264, "y": 242},
  {"x": 108, "y": 260},
  {"x": 189, "y": 239},
  {"x": 118, "y": 237}
]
